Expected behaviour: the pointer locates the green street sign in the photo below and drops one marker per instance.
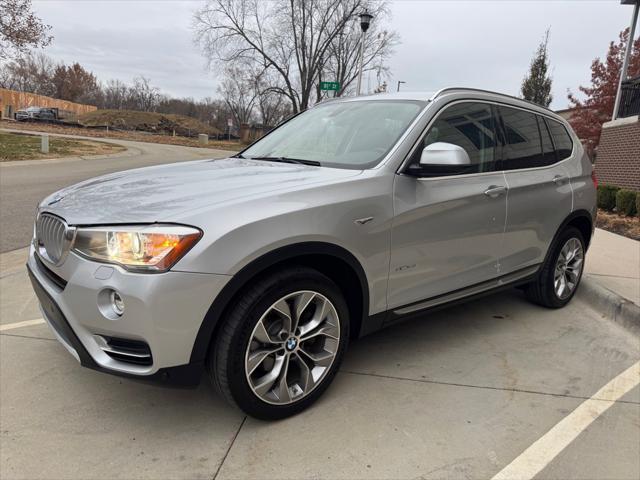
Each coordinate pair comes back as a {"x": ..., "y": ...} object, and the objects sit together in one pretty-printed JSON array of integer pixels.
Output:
[{"x": 330, "y": 86}]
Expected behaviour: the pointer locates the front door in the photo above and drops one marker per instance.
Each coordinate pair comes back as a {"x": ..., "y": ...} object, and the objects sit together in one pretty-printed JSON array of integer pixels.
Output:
[{"x": 448, "y": 225}]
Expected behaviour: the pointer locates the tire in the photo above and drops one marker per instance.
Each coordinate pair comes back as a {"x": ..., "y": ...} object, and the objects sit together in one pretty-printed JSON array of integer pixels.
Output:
[
  {"x": 543, "y": 291},
  {"x": 241, "y": 340}
]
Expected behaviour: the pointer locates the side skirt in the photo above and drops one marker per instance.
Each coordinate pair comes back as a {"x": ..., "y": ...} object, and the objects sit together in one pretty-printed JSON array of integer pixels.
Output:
[{"x": 407, "y": 312}]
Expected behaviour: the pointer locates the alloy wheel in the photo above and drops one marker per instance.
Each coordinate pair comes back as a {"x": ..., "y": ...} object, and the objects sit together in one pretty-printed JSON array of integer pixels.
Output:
[
  {"x": 568, "y": 268},
  {"x": 292, "y": 347}
]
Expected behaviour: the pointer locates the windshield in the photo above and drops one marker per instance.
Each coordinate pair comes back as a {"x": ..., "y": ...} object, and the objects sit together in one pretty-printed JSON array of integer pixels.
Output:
[{"x": 353, "y": 135}]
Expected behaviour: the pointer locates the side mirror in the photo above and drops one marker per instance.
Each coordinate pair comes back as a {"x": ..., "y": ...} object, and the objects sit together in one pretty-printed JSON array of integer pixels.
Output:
[{"x": 444, "y": 154}]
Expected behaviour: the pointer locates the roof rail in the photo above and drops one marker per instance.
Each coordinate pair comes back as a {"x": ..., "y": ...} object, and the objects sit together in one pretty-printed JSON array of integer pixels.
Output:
[{"x": 448, "y": 89}]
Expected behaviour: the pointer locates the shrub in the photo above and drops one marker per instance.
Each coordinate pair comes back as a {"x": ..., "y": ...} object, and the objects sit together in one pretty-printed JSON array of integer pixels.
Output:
[
  {"x": 607, "y": 197},
  {"x": 626, "y": 202},
  {"x": 638, "y": 203}
]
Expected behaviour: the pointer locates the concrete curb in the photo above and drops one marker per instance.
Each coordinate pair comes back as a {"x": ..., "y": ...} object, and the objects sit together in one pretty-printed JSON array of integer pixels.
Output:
[{"x": 613, "y": 306}]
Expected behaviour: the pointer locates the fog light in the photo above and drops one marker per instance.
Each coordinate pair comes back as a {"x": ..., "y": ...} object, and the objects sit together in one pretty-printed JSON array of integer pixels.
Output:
[{"x": 117, "y": 303}]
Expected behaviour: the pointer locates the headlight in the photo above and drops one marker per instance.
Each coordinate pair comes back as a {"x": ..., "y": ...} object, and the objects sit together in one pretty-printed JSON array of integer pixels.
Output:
[{"x": 153, "y": 248}]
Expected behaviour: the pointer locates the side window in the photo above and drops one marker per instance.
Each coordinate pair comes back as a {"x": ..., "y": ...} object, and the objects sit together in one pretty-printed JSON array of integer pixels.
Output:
[
  {"x": 548, "y": 152},
  {"x": 561, "y": 139},
  {"x": 467, "y": 125},
  {"x": 523, "y": 146}
]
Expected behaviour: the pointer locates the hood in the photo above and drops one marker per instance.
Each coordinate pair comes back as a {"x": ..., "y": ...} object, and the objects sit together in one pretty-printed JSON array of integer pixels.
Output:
[{"x": 165, "y": 193}]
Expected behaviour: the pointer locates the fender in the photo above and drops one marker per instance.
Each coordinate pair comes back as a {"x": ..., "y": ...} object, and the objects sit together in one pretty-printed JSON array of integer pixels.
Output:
[
  {"x": 247, "y": 273},
  {"x": 582, "y": 214}
]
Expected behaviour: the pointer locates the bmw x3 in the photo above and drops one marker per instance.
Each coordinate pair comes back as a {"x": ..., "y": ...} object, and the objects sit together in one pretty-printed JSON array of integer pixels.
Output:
[{"x": 261, "y": 268}]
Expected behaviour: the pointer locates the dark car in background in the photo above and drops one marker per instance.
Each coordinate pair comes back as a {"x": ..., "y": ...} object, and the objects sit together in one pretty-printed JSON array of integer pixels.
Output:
[{"x": 38, "y": 114}]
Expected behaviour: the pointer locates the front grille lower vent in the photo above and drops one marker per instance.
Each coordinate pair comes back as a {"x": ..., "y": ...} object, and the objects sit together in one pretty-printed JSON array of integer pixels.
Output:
[{"x": 124, "y": 350}]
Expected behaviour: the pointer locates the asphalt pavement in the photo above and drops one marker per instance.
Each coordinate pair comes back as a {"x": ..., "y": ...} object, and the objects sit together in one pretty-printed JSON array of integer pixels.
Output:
[{"x": 24, "y": 184}]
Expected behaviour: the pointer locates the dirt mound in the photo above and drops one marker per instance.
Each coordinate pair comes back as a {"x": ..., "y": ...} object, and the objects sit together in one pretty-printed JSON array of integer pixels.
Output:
[{"x": 147, "y": 122}]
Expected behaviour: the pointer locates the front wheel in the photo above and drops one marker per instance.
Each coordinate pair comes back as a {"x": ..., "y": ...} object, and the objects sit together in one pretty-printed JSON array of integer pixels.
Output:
[
  {"x": 282, "y": 343},
  {"x": 560, "y": 275}
]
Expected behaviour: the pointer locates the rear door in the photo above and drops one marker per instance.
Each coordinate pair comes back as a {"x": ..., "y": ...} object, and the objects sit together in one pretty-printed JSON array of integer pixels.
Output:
[{"x": 539, "y": 196}]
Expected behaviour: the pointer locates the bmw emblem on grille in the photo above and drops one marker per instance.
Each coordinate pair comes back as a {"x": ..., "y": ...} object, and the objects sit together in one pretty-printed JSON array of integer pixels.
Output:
[{"x": 53, "y": 238}]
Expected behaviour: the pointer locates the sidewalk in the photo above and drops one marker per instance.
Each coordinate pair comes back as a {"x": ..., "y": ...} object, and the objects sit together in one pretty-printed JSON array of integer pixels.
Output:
[
  {"x": 613, "y": 262},
  {"x": 611, "y": 280}
]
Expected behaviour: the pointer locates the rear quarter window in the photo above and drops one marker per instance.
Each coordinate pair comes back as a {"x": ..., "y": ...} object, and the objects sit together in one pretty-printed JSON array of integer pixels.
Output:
[{"x": 561, "y": 139}]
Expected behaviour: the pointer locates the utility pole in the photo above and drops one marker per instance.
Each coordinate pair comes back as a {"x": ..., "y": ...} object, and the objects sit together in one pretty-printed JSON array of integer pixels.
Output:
[
  {"x": 365, "y": 21},
  {"x": 627, "y": 52}
]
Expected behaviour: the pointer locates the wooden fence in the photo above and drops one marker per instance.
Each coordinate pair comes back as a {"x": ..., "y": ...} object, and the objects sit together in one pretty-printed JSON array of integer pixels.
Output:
[{"x": 11, "y": 101}]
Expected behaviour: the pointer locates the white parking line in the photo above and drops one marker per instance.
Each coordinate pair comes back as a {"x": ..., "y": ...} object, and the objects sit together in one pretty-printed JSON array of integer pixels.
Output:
[
  {"x": 530, "y": 462},
  {"x": 26, "y": 323}
]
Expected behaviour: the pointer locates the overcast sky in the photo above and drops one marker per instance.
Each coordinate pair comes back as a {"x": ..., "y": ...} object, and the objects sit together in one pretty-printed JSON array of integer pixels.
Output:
[{"x": 484, "y": 44}]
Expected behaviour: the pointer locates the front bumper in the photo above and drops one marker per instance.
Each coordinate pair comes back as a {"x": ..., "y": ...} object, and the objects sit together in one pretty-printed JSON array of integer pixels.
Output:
[{"x": 163, "y": 310}]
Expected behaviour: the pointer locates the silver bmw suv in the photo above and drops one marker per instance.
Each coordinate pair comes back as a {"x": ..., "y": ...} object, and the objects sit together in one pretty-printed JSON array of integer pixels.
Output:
[{"x": 260, "y": 268}]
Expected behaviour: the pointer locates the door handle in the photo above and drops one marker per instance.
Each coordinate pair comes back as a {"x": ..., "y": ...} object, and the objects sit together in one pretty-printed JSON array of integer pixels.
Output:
[
  {"x": 495, "y": 191},
  {"x": 560, "y": 179}
]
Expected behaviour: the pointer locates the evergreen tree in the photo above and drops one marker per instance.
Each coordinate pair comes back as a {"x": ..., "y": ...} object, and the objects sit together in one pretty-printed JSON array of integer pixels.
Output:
[{"x": 536, "y": 86}]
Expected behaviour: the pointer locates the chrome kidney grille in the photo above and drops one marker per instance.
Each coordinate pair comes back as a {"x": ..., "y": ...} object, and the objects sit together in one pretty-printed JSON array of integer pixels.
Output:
[{"x": 53, "y": 238}]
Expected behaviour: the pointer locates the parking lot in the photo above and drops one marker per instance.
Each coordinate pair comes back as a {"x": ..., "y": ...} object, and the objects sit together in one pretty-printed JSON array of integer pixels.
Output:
[
  {"x": 460, "y": 393},
  {"x": 494, "y": 385}
]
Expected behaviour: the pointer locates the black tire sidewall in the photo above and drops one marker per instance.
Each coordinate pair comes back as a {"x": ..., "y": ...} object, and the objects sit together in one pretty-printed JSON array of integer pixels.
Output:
[
  {"x": 548, "y": 289},
  {"x": 273, "y": 289}
]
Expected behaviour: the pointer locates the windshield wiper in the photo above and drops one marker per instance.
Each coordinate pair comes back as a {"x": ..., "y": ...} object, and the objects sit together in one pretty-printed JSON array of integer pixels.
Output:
[{"x": 313, "y": 163}]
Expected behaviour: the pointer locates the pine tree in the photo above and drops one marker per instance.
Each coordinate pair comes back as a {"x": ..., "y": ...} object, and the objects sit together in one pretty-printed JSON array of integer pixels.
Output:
[{"x": 536, "y": 86}]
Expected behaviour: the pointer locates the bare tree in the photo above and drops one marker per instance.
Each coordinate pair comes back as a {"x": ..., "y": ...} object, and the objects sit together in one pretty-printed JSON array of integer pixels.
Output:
[
  {"x": 32, "y": 72},
  {"x": 342, "y": 62},
  {"x": 20, "y": 29},
  {"x": 114, "y": 95},
  {"x": 214, "y": 112},
  {"x": 272, "y": 106},
  {"x": 143, "y": 96},
  {"x": 291, "y": 37},
  {"x": 239, "y": 93}
]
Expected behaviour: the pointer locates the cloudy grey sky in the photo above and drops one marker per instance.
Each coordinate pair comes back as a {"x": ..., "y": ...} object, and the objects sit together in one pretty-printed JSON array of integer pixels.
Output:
[{"x": 485, "y": 44}]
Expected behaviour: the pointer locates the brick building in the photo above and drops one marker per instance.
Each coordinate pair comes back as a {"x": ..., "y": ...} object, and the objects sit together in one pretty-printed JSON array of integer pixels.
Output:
[{"x": 618, "y": 161}]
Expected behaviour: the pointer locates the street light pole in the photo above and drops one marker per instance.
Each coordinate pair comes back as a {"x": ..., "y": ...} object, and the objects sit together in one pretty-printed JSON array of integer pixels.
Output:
[
  {"x": 365, "y": 21},
  {"x": 399, "y": 82},
  {"x": 627, "y": 54}
]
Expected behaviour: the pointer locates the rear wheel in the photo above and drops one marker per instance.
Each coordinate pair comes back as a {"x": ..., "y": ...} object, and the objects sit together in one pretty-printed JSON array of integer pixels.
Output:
[
  {"x": 560, "y": 275},
  {"x": 282, "y": 343}
]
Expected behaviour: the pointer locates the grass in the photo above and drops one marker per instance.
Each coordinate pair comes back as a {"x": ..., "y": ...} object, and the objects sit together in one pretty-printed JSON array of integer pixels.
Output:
[{"x": 15, "y": 146}]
